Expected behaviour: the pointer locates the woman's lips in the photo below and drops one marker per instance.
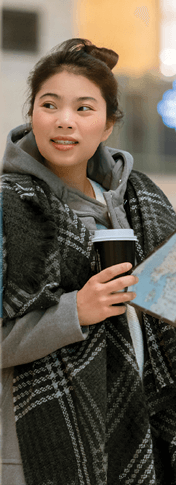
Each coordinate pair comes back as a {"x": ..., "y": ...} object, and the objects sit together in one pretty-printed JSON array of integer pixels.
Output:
[{"x": 64, "y": 144}]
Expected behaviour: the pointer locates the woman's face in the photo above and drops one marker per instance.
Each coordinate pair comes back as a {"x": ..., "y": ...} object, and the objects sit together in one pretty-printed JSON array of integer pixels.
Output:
[{"x": 69, "y": 120}]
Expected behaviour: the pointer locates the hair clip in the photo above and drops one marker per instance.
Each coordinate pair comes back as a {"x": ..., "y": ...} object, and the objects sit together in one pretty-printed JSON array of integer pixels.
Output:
[{"x": 77, "y": 47}]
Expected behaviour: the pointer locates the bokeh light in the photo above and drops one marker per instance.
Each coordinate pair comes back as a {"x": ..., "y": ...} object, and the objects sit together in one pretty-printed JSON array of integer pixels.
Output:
[
  {"x": 168, "y": 38},
  {"x": 167, "y": 107}
]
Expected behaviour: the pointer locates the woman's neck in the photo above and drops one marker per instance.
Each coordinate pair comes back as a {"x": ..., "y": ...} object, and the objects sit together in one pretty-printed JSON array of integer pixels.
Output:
[
  {"x": 85, "y": 187},
  {"x": 76, "y": 178}
]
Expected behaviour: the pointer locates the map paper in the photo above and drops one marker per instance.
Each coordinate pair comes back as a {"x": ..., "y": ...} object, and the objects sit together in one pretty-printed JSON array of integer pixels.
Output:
[{"x": 156, "y": 289}]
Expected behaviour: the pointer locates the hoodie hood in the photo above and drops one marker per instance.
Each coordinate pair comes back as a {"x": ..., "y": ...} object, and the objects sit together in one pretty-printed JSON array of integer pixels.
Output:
[{"x": 108, "y": 166}]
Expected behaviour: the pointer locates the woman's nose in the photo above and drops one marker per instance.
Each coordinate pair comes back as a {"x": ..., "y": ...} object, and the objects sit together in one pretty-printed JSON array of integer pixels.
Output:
[{"x": 65, "y": 119}]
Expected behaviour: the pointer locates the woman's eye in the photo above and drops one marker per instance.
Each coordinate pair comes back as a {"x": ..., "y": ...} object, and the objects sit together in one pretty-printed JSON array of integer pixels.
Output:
[
  {"x": 84, "y": 108},
  {"x": 49, "y": 105}
]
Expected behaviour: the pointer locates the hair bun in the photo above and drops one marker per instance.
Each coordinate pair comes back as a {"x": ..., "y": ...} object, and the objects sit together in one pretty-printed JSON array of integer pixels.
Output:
[{"x": 108, "y": 56}]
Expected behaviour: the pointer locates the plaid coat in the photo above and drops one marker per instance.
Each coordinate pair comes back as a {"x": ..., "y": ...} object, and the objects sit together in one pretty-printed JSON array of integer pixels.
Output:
[{"x": 84, "y": 405}]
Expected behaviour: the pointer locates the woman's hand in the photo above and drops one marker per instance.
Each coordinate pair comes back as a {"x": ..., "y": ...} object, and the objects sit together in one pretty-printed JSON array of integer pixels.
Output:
[{"x": 95, "y": 299}]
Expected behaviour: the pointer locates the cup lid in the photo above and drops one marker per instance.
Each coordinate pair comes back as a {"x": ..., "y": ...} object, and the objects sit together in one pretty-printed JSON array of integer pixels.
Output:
[{"x": 114, "y": 235}]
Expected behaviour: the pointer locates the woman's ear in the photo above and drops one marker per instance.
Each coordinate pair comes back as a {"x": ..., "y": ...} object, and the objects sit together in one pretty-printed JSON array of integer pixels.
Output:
[{"x": 108, "y": 130}]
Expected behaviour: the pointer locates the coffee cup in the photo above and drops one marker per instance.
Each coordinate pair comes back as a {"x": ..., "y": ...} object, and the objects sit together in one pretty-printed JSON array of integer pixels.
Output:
[{"x": 114, "y": 246}]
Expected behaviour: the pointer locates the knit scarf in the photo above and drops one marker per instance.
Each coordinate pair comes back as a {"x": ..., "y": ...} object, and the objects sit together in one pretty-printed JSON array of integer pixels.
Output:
[{"x": 83, "y": 415}]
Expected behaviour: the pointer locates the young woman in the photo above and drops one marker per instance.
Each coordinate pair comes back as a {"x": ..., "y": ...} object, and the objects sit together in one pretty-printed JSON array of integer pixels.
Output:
[{"x": 80, "y": 407}]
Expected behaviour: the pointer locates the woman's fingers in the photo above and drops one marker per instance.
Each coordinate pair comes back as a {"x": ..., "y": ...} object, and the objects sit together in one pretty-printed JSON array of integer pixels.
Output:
[
  {"x": 100, "y": 296},
  {"x": 121, "y": 282},
  {"x": 117, "y": 310},
  {"x": 109, "y": 273},
  {"x": 121, "y": 297}
]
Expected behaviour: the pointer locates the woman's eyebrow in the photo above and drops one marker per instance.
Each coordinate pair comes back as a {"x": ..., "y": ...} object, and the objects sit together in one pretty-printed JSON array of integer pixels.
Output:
[
  {"x": 81, "y": 98},
  {"x": 84, "y": 98},
  {"x": 54, "y": 95}
]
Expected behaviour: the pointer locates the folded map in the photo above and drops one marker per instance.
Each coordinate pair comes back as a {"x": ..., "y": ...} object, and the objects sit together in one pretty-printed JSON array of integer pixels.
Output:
[{"x": 156, "y": 289}]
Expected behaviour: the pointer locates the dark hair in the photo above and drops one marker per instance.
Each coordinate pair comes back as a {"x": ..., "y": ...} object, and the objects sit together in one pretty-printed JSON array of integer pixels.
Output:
[{"x": 80, "y": 57}]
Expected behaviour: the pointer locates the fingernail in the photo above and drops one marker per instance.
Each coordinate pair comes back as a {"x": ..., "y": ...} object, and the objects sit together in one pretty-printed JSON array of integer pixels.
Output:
[{"x": 129, "y": 265}]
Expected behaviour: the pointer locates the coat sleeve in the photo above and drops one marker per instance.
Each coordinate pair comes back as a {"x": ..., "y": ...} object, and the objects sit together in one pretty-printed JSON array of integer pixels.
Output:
[
  {"x": 38, "y": 333},
  {"x": 35, "y": 326}
]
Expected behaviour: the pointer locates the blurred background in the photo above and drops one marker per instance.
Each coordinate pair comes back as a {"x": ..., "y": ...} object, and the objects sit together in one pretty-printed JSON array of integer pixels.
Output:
[{"x": 143, "y": 32}]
